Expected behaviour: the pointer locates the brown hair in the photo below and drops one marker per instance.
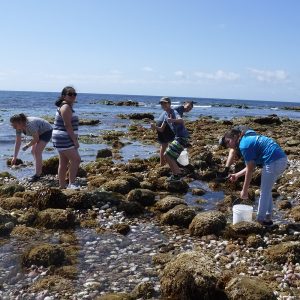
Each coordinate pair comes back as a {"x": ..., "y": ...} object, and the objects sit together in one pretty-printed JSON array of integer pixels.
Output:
[
  {"x": 64, "y": 92},
  {"x": 232, "y": 133},
  {"x": 18, "y": 118}
]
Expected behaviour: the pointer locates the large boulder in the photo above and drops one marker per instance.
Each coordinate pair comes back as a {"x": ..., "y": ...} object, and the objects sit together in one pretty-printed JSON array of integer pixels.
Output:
[
  {"x": 180, "y": 215},
  {"x": 206, "y": 223},
  {"x": 168, "y": 203},
  {"x": 247, "y": 288},
  {"x": 142, "y": 196},
  {"x": 44, "y": 255},
  {"x": 191, "y": 276}
]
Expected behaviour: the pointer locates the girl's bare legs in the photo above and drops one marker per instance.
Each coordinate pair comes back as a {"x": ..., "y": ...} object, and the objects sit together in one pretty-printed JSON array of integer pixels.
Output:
[
  {"x": 74, "y": 159},
  {"x": 37, "y": 151},
  {"x": 62, "y": 169}
]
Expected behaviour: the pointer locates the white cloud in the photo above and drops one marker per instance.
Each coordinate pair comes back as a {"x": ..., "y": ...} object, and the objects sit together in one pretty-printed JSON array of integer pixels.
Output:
[
  {"x": 218, "y": 75},
  {"x": 179, "y": 73},
  {"x": 147, "y": 69},
  {"x": 115, "y": 72},
  {"x": 269, "y": 76}
]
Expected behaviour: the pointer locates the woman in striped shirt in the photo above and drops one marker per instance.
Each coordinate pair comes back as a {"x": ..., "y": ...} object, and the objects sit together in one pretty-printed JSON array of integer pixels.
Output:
[
  {"x": 41, "y": 132},
  {"x": 65, "y": 137}
]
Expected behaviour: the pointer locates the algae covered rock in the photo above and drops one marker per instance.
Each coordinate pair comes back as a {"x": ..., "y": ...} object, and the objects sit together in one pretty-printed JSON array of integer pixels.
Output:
[
  {"x": 44, "y": 255},
  {"x": 7, "y": 222},
  {"x": 119, "y": 186},
  {"x": 53, "y": 283},
  {"x": 131, "y": 208},
  {"x": 284, "y": 252},
  {"x": 55, "y": 218},
  {"x": 6, "y": 217},
  {"x": 179, "y": 186},
  {"x": 50, "y": 166},
  {"x": 24, "y": 232},
  {"x": 206, "y": 223},
  {"x": 191, "y": 275},
  {"x": 168, "y": 203},
  {"x": 114, "y": 296},
  {"x": 144, "y": 290},
  {"x": 28, "y": 217},
  {"x": 243, "y": 229},
  {"x": 13, "y": 203},
  {"x": 121, "y": 228},
  {"x": 255, "y": 241},
  {"x": 4, "y": 175},
  {"x": 132, "y": 180},
  {"x": 8, "y": 190},
  {"x": 247, "y": 288},
  {"x": 78, "y": 199},
  {"x": 18, "y": 162},
  {"x": 143, "y": 196},
  {"x": 180, "y": 215},
  {"x": 103, "y": 153},
  {"x": 50, "y": 198}
]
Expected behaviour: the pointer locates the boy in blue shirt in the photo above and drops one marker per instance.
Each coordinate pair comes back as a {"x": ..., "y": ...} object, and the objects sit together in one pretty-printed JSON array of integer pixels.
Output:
[
  {"x": 258, "y": 150},
  {"x": 171, "y": 118}
]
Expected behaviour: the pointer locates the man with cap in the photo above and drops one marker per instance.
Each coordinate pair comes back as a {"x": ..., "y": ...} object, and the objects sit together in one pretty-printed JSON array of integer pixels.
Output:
[
  {"x": 171, "y": 118},
  {"x": 167, "y": 136},
  {"x": 234, "y": 153}
]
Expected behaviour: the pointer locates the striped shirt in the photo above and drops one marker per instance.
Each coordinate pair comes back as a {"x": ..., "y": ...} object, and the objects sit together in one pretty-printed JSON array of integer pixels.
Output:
[
  {"x": 60, "y": 137},
  {"x": 35, "y": 125}
]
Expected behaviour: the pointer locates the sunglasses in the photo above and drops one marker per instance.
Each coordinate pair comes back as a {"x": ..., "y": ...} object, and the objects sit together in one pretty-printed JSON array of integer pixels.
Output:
[{"x": 71, "y": 94}]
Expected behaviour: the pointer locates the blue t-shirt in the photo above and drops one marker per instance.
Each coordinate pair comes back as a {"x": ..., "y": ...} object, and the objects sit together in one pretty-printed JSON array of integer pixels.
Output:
[
  {"x": 260, "y": 149},
  {"x": 178, "y": 129},
  {"x": 179, "y": 109}
]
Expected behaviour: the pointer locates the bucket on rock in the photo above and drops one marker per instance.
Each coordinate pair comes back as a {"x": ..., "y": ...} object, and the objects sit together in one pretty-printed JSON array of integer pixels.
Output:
[
  {"x": 183, "y": 158},
  {"x": 242, "y": 212}
]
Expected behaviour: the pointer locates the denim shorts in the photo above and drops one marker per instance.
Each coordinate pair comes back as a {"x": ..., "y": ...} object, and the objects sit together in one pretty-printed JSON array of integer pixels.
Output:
[{"x": 46, "y": 136}]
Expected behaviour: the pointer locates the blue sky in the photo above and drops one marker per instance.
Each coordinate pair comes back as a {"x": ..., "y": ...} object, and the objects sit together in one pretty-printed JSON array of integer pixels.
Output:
[{"x": 215, "y": 48}]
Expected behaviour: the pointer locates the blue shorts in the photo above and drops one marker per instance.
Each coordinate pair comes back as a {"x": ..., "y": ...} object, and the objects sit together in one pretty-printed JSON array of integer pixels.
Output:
[{"x": 46, "y": 136}]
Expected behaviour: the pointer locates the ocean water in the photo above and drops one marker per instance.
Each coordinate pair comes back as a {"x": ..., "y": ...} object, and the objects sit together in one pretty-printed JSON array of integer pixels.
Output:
[{"x": 88, "y": 106}]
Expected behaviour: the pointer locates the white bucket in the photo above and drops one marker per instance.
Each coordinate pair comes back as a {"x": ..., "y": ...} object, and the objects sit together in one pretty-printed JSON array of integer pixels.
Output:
[
  {"x": 183, "y": 158},
  {"x": 242, "y": 212}
]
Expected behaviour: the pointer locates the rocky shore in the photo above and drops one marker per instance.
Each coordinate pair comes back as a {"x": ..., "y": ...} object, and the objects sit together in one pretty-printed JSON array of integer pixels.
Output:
[{"x": 130, "y": 234}]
